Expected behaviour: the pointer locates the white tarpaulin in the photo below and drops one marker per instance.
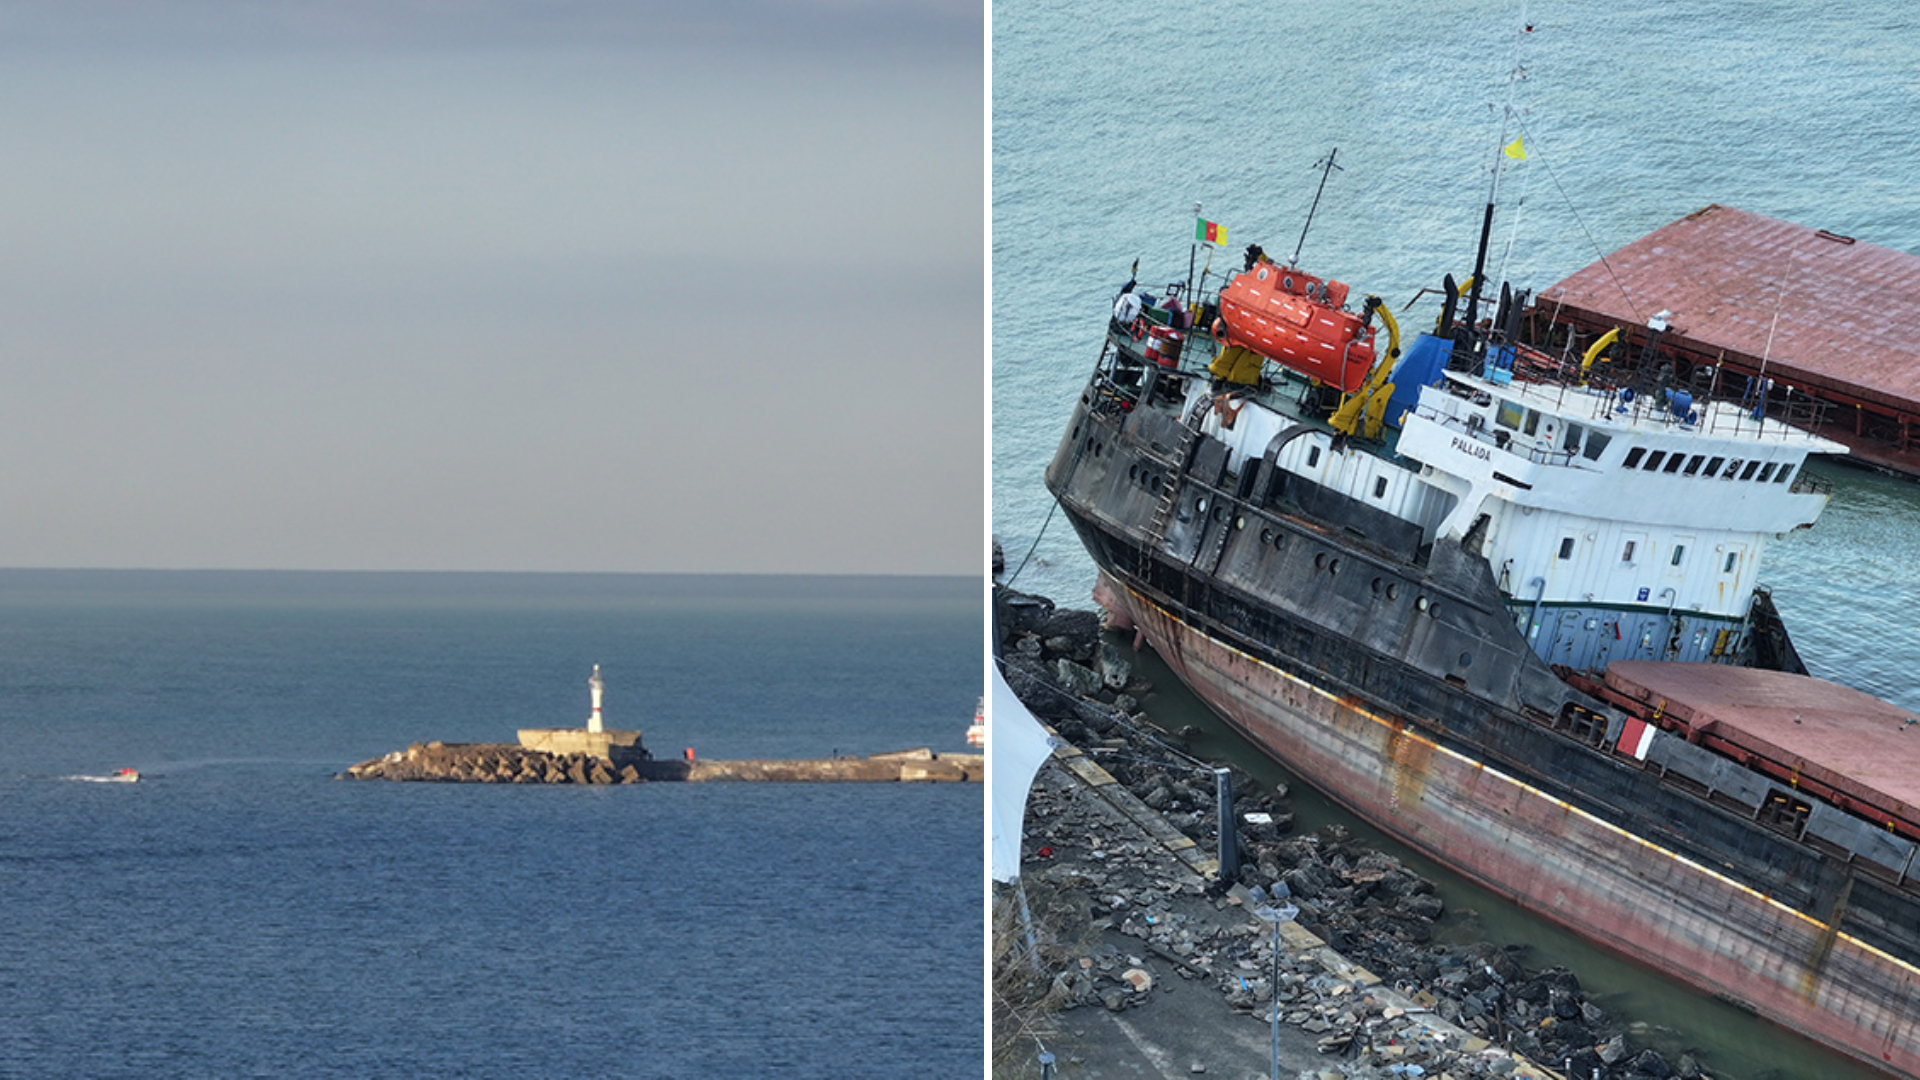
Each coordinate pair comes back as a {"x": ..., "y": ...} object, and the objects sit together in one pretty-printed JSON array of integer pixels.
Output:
[{"x": 1017, "y": 746}]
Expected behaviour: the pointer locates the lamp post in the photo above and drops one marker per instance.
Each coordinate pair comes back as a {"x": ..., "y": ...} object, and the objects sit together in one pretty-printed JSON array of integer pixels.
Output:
[{"x": 1276, "y": 914}]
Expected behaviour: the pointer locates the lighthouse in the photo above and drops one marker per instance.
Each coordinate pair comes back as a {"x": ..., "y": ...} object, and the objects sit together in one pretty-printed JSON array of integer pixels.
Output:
[{"x": 618, "y": 746}]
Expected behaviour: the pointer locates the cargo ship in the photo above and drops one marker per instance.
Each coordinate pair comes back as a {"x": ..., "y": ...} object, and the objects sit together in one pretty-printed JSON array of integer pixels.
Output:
[{"x": 1502, "y": 598}]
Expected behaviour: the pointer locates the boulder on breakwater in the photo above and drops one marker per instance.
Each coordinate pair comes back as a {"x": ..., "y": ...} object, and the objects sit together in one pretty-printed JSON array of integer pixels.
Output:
[{"x": 507, "y": 763}]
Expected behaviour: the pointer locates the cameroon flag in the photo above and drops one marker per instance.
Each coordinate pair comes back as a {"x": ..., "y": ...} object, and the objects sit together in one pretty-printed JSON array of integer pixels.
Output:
[{"x": 1208, "y": 232}]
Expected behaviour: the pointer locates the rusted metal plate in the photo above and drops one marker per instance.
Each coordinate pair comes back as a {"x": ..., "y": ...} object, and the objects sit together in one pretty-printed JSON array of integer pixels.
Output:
[
  {"x": 1845, "y": 308},
  {"x": 1844, "y": 738}
]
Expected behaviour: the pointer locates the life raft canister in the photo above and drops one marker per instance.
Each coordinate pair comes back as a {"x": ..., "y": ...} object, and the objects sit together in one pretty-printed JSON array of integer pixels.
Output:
[{"x": 1296, "y": 319}]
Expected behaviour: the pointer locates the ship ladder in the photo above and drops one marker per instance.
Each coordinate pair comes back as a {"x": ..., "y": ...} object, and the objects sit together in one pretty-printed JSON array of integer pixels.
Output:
[{"x": 1170, "y": 494}]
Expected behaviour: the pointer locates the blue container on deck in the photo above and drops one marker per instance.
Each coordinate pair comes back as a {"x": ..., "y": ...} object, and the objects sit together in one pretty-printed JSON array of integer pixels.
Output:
[{"x": 1420, "y": 365}]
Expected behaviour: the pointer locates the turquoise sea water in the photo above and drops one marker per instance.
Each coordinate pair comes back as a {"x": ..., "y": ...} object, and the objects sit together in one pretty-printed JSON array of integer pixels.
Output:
[
  {"x": 1111, "y": 121},
  {"x": 241, "y": 913}
]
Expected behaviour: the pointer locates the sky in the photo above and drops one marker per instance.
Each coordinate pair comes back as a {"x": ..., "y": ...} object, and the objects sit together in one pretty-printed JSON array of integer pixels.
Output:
[{"x": 493, "y": 285}]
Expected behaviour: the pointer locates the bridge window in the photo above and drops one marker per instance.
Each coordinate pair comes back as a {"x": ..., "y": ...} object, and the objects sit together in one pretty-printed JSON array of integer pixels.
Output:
[
  {"x": 1508, "y": 415},
  {"x": 1654, "y": 459},
  {"x": 1747, "y": 473},
  {"x": 1713, "y": 465},
  {"x": 1785, "y": 471},
  {"x": 1674, "y": 463},
  {"x": 1596, "y": 444},
  {"x": 1633, "y": 457},
  {"x": 1693, "y": 464},
  {"x": 1379, "y": 487},
  {"x": 1766, "y": 473}
]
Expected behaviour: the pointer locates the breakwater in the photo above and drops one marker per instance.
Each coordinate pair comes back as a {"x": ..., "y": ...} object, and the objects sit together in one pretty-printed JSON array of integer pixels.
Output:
[{"x": 508, "y": 763}]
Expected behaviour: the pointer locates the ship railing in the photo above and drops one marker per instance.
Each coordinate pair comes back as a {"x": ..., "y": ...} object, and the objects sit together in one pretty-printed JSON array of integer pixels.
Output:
[
  {"x": 1115, "y": 384},
  {"x": 1808, "y": 484}
]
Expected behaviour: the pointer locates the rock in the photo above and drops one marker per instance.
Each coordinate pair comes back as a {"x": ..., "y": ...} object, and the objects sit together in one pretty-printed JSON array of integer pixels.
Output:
[
  {"x": 1115, "y": 669},
  {"x": 1426, "y": 906},
  {"x": 1082, "y": 627},
  {"x": 1652, "y": 1063},
  {"x": 1615, "y": 1050},
  {"x": 1076, "y": 678}
]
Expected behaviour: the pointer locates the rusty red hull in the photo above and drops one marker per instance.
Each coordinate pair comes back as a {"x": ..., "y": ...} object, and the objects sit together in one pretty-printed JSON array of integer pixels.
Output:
[{"x": 1600, "y": 881}]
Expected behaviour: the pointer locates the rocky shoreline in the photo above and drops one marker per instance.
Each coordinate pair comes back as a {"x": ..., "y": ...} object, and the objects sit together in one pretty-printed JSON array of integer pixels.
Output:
[
  {"x": 509, "y": 763},
  {"x": 1121, "y": 904}
]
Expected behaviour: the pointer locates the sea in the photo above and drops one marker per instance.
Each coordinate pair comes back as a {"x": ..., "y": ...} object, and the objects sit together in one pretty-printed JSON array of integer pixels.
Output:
[
  {"x": 1116, "y": 125},
  {"x": 242, "y": 912}
]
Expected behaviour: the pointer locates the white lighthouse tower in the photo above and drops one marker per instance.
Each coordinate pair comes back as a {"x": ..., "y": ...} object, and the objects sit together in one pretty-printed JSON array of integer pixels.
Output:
[
  {"x": 618, "y": 746},
  {"x": 594, "y": 685}
]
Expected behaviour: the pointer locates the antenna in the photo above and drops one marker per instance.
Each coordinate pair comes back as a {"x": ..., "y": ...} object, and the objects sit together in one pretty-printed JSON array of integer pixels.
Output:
[
  {"x": 1515, "y": 74},
  {"x": 1326, "y": 166}
]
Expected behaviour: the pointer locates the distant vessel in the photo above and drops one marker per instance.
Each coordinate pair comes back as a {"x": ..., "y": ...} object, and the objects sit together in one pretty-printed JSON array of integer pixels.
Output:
[
  {"x": 977, "y": 731},
  {"x": 119, "y": 776},
  {"x": 1502, "y": 600}
]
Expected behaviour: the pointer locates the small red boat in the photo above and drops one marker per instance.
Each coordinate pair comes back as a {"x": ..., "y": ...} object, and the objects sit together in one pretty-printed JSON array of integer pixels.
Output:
[{"x": 1296, "y": 319}]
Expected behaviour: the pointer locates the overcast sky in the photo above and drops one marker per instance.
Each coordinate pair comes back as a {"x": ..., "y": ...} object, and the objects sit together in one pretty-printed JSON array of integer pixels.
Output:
[{"x": 498, "y": 285}]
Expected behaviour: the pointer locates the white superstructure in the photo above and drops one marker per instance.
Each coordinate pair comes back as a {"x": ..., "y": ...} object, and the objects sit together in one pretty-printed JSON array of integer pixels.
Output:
[{"x": 1618, "y": 526}]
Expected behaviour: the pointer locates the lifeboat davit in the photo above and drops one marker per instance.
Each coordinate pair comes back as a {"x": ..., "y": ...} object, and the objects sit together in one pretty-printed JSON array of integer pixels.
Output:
[{"x": 1294, "y": 318}]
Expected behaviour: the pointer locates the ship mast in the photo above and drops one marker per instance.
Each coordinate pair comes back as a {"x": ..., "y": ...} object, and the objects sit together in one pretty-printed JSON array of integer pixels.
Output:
[
  {"x": 1515, "y": 73},
  {"x": 1326, "y": 167}
]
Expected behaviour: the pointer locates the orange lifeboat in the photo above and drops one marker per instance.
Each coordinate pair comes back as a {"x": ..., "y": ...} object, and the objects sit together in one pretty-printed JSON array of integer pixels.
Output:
[{"x": 1294, "y": 318}]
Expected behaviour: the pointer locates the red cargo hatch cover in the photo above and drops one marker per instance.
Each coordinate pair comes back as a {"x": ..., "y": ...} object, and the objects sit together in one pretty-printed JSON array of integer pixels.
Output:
[{"x": 1845, "y": 739}]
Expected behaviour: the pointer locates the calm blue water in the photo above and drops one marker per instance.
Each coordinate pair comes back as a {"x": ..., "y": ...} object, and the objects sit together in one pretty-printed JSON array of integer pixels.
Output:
[
  {"x": 1111, "y": 120},
  {"x": 242, "y": 913}
]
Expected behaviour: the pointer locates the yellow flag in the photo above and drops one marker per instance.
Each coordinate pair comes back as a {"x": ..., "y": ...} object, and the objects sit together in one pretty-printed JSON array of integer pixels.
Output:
[{"x": 1515, "y": 151}]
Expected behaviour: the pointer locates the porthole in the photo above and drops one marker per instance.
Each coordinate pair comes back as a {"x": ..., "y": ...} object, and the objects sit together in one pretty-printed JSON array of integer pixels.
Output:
[
  {"x": 1320, "y": 561},
  {"x": 1393, "y": 590},
  {"x": 1266, "y": 536},
  {"x": 1433, "y": 611},
  {"x": 1200, "y": 504},
  {"x": 1219, "y": 513},
  {"x": 1133, "y": 472},
  {"x": 1466, "y": 659},
  {"x": 1421, "y": 603},
  {"x": 1279, "y": 541},
  {"x": 1153, "y": 483},
  {"x": 1239, "y": 523},
  {"x": 1376, "y": 586},
  {"x": 1333, "y": 566}
]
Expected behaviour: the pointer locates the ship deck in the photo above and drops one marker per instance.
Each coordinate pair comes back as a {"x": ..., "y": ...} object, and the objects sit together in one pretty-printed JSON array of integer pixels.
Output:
[
  {"x": 1815, "y": 731},
  {"x": 1813, "y": 310}
]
